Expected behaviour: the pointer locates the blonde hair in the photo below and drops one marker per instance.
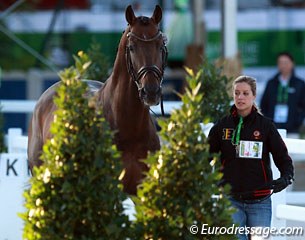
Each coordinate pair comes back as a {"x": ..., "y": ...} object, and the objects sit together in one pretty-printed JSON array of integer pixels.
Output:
[
  {"x": 246, "y": 79},
  {"x": 251, "y": 82}
]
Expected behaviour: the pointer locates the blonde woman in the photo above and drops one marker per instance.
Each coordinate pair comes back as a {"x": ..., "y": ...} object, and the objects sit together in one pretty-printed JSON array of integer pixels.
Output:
[{"x": 244, "y": 139}]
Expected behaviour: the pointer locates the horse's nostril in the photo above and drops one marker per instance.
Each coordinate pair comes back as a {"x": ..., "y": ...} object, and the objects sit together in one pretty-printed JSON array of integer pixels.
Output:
[{"x": 144, "y": 92}]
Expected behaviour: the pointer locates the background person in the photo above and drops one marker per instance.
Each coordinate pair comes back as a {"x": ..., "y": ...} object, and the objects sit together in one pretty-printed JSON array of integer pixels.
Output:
[
  {"x": 244, "y": 139},
  {"x": 284, "y": 97}
]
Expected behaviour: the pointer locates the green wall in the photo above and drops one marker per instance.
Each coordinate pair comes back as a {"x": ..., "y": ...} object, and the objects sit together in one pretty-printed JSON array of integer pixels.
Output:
[{"x": 257, "y": 48}]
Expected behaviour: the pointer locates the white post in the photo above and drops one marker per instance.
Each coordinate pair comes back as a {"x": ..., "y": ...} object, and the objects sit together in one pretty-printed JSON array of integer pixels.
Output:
[
  {"x": 12, "y": 134},
  {"x": 198, "y": 20},
  {"x": 14, "y": 177},
  {"x": 34, "y": 84},
  {"x": 229, "y": 28}
]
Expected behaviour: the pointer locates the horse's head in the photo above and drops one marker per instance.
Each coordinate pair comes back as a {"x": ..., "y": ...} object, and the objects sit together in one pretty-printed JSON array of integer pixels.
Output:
[{"x": 146, "y": 54}]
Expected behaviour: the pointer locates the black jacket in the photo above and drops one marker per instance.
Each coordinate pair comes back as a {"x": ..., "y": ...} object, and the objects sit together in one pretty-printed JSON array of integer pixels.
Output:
[
  {"x": 296, "y": 102},
  {"x": 249, "y": 174}
]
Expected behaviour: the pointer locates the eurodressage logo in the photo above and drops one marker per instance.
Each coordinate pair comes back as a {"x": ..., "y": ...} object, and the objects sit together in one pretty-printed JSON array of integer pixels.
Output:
[{"x": 227, "y": 133}]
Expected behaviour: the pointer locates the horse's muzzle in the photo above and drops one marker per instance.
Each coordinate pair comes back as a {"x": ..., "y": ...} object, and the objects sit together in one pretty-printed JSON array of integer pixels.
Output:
[
  {"x": 150, "y": 96},
  {"x": 149, "y": 81}
]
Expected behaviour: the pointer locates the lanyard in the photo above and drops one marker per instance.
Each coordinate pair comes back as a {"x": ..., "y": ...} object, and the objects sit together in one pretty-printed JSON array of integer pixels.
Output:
[
  {"x": 282, "y": 94},
  {"x": 236, "y": 133}
]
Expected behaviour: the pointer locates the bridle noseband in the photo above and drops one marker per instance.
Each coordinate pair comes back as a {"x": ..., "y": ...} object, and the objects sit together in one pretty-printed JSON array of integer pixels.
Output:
[{"x": 143, "y": 71}]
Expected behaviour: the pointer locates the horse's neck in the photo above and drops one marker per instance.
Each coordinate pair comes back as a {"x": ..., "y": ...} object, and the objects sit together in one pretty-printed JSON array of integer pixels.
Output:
[{"x": 122, "y": 105}]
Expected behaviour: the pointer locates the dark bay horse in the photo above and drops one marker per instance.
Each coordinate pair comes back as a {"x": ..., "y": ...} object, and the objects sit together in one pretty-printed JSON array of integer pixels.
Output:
[{"x": 133, "y": 86}]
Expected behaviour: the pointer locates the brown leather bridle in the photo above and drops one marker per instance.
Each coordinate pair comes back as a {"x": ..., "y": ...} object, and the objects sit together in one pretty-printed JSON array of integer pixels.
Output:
[{"x": 158, "y": 73}]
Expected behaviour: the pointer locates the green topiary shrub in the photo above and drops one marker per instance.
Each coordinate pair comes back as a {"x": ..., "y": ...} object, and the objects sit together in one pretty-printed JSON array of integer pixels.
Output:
[
  {"x": 214, "y": 87},
  {"x": 180, "y": 188},
  {"x": 76, "y": 193},
  {"x": 99, "y": 67}
]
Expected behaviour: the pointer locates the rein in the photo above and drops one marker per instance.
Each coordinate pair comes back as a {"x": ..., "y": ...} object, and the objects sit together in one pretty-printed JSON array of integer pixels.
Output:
[{"x": 143, "y": 71}]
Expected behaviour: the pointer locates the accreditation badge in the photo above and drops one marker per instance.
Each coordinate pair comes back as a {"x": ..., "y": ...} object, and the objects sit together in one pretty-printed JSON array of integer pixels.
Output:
[
  {"x": 251, "y": 149},
  {"x": 281, "y": 113}
]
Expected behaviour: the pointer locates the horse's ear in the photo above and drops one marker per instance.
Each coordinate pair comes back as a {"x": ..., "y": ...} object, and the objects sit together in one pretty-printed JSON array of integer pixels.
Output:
[
  {"x": 157, "y": 15},
  {"x": 129, "y": 15}
]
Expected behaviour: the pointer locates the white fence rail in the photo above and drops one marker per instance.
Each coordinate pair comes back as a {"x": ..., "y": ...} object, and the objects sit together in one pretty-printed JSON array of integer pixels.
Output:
[
  {"x": 17, "y": 106},
  {"x": 288, "y": 212}
]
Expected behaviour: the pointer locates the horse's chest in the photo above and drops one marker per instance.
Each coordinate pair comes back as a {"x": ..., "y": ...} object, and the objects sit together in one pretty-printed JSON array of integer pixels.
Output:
[{"x": 137, "y": 149}]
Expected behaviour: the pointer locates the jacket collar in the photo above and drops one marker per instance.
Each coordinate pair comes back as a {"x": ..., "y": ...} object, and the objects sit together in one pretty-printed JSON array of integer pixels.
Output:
[{"x": 235, "y": 115}]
